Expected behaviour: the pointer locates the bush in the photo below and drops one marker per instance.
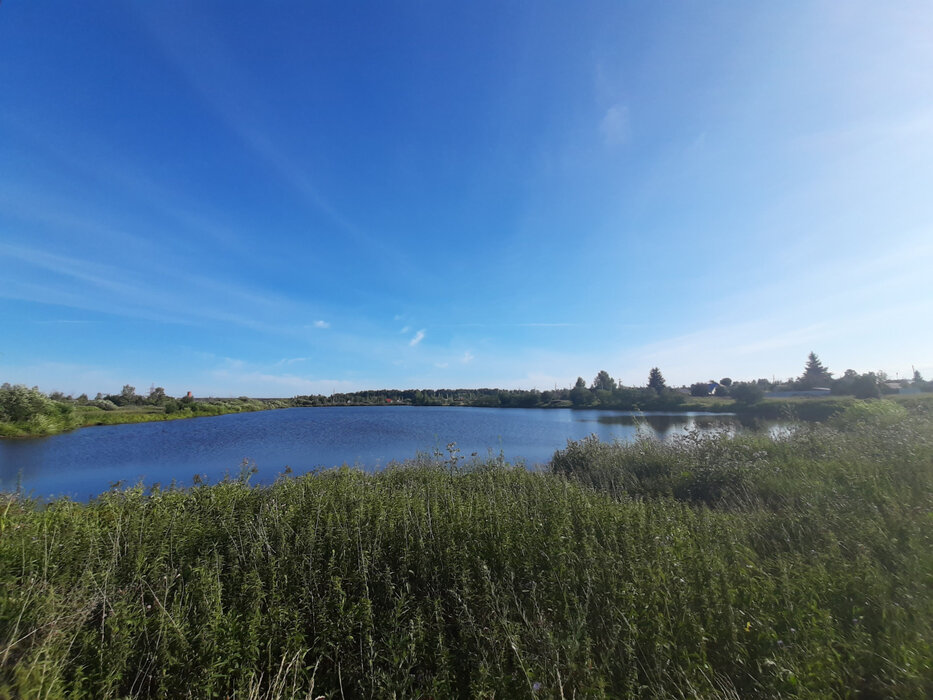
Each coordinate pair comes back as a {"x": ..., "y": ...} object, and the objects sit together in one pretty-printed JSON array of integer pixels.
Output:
[
  {"x": 866, "y": 387},
  {"x": 747, "y": 393},
  {"x": 19, "y": 404},
  {"x": 883, "y": 413}
]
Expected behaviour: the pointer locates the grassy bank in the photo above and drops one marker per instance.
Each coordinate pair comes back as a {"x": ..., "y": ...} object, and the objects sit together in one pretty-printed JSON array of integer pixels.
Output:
[
  {"x": 64, "y": 417},
  {"x": 714, "y": 567},
  {"x": 797, "y": 408}
]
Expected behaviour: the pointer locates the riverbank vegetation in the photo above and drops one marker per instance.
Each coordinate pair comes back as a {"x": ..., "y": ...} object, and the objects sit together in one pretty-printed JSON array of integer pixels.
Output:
[
  {"x": 27, "y": 412},
  {"x": 714, "y": 566}
]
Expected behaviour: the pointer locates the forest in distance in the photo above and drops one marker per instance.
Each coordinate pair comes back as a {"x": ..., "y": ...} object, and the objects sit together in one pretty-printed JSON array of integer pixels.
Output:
[{"x": 28, "y": 411}]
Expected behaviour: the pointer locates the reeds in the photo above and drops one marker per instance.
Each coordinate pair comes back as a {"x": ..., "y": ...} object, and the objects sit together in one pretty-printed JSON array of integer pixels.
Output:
[{"x": 719, "y": 567}]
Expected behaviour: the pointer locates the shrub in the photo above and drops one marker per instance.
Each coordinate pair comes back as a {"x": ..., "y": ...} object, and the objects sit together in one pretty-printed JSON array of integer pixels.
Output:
[
  {"x": 747, "y": 393},
  {"x": 19, "y": 404},
  {"x": 878, "y": 413}
]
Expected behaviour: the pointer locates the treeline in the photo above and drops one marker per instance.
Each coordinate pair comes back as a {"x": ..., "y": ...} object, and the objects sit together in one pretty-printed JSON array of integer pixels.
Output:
[
  {"x": 623, "y": 398},
  {"x": 603, "y": 392},
  {"x": 816, "y": 376}
]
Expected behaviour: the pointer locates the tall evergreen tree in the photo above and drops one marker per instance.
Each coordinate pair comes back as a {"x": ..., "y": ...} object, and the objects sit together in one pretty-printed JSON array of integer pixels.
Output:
[
  {"x": 814, "y": 374},
  {"x": 656, "y": 380}
]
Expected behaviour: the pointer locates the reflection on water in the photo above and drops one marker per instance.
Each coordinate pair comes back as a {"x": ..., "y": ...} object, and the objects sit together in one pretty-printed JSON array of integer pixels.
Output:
[
  {"x": 88, "y": 461},
  {"x": 664, "y": 425},
  {"x": 667, "y": 425}
]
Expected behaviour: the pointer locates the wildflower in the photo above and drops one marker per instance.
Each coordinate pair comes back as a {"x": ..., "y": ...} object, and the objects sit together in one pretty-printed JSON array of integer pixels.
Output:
[
  {"x": 748, "y": 626},
  {"x": 536, "y": 686}
]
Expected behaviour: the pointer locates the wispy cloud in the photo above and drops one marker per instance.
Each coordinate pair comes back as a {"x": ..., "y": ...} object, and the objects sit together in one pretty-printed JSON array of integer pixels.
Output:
[
  {"x": 508, "y": 325},
  {"x": 259, "y": 383},
  {"x": 321, "y": 324},
  {"x": 63, "y": 321},
  {"x": 191, "y": 220},
  {"x": 233, "y": 363},
  {"x": 419, "y": 336},
  {"x": 71, "y": 378},
  {"x": 467, "y": 357},
  {"x": 615, "y": 126},
  {"x": 232, "y": 377},
  {"x": 220, "y": 79},
  {"x": 83, "y": 283},
  {"x": 406, "y": 329},
  {"x": 291, "y": 360}
]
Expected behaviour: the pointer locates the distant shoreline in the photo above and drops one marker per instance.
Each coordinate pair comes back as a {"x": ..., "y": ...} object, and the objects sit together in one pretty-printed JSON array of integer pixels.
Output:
[{"x": 799, "y": 408}]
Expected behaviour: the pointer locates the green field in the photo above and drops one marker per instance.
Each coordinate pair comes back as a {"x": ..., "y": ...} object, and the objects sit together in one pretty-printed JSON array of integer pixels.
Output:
[{"x": 713, "y": 567}]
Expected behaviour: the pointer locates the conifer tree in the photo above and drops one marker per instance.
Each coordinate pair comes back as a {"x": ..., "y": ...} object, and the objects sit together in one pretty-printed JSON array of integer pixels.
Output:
[
  {"x": 656, "y": 380},
  {"x": 814, "y": 373}
]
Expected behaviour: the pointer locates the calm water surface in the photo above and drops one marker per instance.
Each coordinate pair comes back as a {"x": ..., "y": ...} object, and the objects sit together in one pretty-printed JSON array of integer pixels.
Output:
[{"x": 86, "y": 462}]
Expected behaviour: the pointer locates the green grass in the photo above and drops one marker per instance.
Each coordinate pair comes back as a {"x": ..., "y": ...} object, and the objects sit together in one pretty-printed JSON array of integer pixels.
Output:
[
  {"x": 712, "y": 567},
  {"x": 91, "y": 415},
  {"x": 805, "y": 408},
  {"x": 67, "y": 417}
]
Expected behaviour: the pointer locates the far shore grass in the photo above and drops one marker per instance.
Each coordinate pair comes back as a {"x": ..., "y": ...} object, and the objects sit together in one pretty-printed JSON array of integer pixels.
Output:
[{"x": 87, "y": 416}]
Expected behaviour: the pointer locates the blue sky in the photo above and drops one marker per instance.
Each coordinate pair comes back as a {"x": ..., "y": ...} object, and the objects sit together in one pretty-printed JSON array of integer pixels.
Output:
[{"x": 285, "y": 198}]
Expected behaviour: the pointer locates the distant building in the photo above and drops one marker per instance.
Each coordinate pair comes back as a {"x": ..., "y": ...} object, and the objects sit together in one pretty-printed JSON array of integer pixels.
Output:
[{"x": 901, "y": 386}]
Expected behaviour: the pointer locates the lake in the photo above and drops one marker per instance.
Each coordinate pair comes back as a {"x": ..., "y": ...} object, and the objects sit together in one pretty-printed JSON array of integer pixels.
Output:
[{"x": 86, "y": 462}]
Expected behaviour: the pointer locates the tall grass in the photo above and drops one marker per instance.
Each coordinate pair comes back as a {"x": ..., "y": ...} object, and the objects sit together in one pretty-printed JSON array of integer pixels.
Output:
[{"x": 721, "y": 567}]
